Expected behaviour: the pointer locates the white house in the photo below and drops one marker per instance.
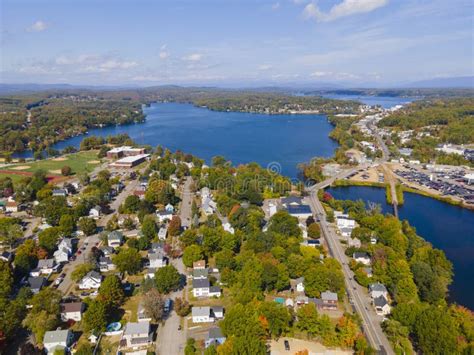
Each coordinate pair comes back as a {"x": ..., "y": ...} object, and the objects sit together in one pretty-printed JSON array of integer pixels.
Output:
[
  {"x": 362, "y": 258},
  {"x": 343, "y": 221},
  {"x": 11, "y": 206},
  {"x": 157, "y": 259},
  {"x": 92, "y": 280},
  {"x": 72, "y": 311},
  {"x": 228, "y": 228},
  {"x": 61, "y": 255},
  {"x": 106, "y": 264},
  {"x": 150, "y": 273},
  {"x": 378, "y": 290},
  {"x": 115, "y": 239},
  {"x": 95, "y": 212},
  {"x": 382, "y": 308},
  {"x": 66, "y": 243},
  {"x": 163, "y": 232},
  {"x": 55, "y": 340},
  {"x": 200, "y": 264},
  {"x": 299, "y": 284},
  {"x": 137, "y": 335},
  {"x": 164, "y": 215},
  {"x": 203, "y": 288},
  {"x": 46, "y": 266},
  {"x": 206, "y": 314}
]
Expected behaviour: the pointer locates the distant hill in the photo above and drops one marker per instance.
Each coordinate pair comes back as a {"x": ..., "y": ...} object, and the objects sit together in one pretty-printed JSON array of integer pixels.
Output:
[{"x": 454, "y": 82}]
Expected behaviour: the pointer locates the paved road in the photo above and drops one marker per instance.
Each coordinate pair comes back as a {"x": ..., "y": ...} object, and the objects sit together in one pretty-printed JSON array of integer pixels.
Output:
[
  {"x": 67, "y": 283},
  {"x": 360, "y": 299},
  {"x": 185, "y": 212},
  {"x": 169, "y": 339}
]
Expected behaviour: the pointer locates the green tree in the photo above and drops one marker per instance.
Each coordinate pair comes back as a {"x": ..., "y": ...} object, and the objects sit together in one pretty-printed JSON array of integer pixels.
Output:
[
  {"x": 95, "y": 317},
  {"x": 128, "y": 260},
  {"x": 314, "y": 231},
  {"x": 149, "y": 228},
  {"x": 67, "y": 224},
  {"x": 191, "y": 254},
  {"x": 111, "y": 292},
  {"x": 80, "y": 271},
  {"x": 282, "y": 223},
  {"x": 190, "y": 348},
  {"x": 277, "y": 316},
  {"x": 87, "y": 225},
  {"x": 167, "y": 279},
  {"x": 308, "y": 319},
  {"x": 48, "y": 238}
]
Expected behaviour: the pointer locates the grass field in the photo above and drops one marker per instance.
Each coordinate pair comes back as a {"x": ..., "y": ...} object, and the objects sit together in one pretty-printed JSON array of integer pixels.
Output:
[{"x": 79, "y": 162}]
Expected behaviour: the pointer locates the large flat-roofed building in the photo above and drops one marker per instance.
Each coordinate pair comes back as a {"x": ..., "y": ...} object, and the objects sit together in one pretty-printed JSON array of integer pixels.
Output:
[
  {"x": 130, "y": 162},
  {"x": 124, "y": 151}
]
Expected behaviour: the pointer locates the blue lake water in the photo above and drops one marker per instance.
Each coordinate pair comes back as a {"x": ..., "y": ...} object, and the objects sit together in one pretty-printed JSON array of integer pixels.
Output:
[
  {"x": 447, "y": 227},
  {"x": 240, "y": 137},
  {"x": 384, "y": 101}
]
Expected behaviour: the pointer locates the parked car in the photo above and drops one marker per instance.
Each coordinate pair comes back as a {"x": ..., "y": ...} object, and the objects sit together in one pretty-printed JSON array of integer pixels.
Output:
[{"x": 287, "y": 345}]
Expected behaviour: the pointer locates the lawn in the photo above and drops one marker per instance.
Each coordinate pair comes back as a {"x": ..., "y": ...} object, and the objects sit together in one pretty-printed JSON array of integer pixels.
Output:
[{"x": 78, "y": 162}]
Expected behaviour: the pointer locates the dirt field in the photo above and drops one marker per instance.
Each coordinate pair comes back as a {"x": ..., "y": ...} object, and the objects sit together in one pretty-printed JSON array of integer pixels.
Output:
[
  {"x": 60, "y": 159},
  {"x": 369, "y": 175},
  {"x": 21, "y": 167},
  {"x": 313, "y": 348},
  {"x": 93, "y": 162}
]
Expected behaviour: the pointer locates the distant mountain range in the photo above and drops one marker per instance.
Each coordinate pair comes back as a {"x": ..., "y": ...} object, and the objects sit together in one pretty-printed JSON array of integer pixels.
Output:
[{"x": 454, "y": 82}]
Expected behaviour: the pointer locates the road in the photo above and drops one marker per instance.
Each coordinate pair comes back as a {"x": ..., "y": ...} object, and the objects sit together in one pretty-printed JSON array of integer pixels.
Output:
[
  {"x": 67, "y": 283},
  {"x": 185, "y": 212},
  {"x": 169, "y": 339},
  {"x": 360, "y": 299}
]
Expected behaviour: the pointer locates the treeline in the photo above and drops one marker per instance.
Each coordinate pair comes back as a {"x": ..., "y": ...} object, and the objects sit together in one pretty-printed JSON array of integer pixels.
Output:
[
  {"x": 450, "y": 120},
  {"x": 407, "y": 92},
  {"x": 32, "y": 122},
  {"x": 417, "y": 277}
]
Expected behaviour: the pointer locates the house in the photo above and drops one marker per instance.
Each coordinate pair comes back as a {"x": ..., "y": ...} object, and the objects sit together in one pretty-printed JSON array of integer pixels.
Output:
[
  {"x": 46, "y": 266},
  {"x": 164, "y": 215},
  {"x": 106, "y": 264},
  {"x": 346, "y": 232},
  {"x": 136, "y": 335},
  {"x": 169, "y": 207},
  {"x": 368, "y": 271},
  {"x": 140, "y": 192},
  {"x": 150, "y": 273},
  {"x": 301, "y": 299},
  {"x": 36, "y": 283},
  {"x": 60, "y": 192},
  {"x": 228, "y": 228},
  {"x": 94, "y": 337},
  {"x": 11, "y": 206},
  {"x": 203, "y": 288},
  {"x": 157, "y": 259},
  {"x": 214, "y": 337},
  {"x": 200, "y": 264},
  {"x": 329, "y": 300},
  {"x": 95, "y": 212},
  {"x": 299, "y": 211},
  {"x": 362, "y": 258},
  {"x": 299, "y": 284},
  {"x": 158, "y": 246},
  {"x": 57, "y": 340},
  {"x": 61, "y": 255},
  {"x": 163, "y": 232},
  {"x": 107, "y": 251},
  {"x": 377, "y": 289},
  {"x": 208, "y": 205},
  {"x": 115, "y": 239},
  {"x": 354, "y": 242},
  {"x": 343, "y": 221},
  {"x": 206, "y": 314},
  {"x": 72, "y": 311},
  {"x": 200, "y": 274},
  {"x": 92, "y": 280},
  {"x": 141, "y": 314},
  {"x": 382, "y": 308},
  {"x": 66, "y": 243}
]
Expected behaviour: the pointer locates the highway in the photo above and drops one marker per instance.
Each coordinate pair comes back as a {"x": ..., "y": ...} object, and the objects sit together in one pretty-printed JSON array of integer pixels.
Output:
[{"x": 359, "y": 298}]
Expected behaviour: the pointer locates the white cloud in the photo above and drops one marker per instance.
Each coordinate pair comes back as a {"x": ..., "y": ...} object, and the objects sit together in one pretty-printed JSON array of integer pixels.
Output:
[
  {"x": 334, "y": 75},
  {"x": 343, "y": 9},
  {"x": 276, "y": 6},
  {"x": 194, "y": 57},
  {"x": 264, "y": 67},
  {"x": 164, "y": 53},
  {"x": 38, "y": 26}
]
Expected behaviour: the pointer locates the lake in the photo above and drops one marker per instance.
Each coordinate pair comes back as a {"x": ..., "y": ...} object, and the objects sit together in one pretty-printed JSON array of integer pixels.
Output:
[
  {"x": 384, "y": 101},
  {"x": 447, "y": 227},
  {"x": 240, "y": 137}
]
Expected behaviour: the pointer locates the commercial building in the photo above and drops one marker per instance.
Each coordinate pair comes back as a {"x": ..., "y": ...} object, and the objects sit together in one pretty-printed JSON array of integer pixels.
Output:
[
  {"x": 124, "y": 151},
  {"x": 130, "y": 161}
]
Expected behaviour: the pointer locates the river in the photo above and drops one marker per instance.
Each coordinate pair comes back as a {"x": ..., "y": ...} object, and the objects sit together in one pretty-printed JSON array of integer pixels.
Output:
[{"x": 447, "y": 227}]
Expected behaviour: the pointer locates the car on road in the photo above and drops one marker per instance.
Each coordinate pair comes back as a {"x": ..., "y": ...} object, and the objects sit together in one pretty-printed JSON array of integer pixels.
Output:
[
  {"x": 287, "y": 345},
  {"x": 179, "y": 327},
  {"x": 79, "y": 252}
]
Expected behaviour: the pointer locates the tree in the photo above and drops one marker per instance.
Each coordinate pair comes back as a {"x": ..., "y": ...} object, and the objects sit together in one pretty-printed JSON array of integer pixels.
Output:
[
  {"x": 67, "y": 224},
  {"x": 181, "y": 307},
  {"x": 128, "y": 260},
  {"x": 314, "y": 231},
  {"x": 49, "y": 237},
  {"x": 111, "y": 292},
  {"x": 131, "y": 204},
  {"x": 66, "y": 170},
  {"x": 282, "y": 223},
  {"x": 189, "y": 237},
  {"x": 167, "y": 279},
  {"x": 190, "y": 348},
  {"x": 175, "y": 226},
  {"x": 435, "y": 331},
  {"x": 149, "y": 228},
  {"x": 308, "y": 319},
  {"x": 153, "y": 304},
  {"x": 52, "y": 208},
  {"x": 6, "y": 280},
  {"x": 191, "y": 254},
  {"x": 80, "y": 271},
  {"x": 44, "y": 313},
  {"x": 87, "y": 225},
  {"x": 95, "y": 317},
  {"x": 277, "y": 316},
  {"x": 347, "y": 331}
]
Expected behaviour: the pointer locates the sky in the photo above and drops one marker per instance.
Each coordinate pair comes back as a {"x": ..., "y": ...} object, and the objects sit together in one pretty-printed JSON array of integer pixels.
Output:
[{"x": 235, "y": 42}]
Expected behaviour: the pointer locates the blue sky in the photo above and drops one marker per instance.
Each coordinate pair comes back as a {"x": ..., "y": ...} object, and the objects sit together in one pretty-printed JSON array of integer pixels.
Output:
[{"x": 235, "y": 42}]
